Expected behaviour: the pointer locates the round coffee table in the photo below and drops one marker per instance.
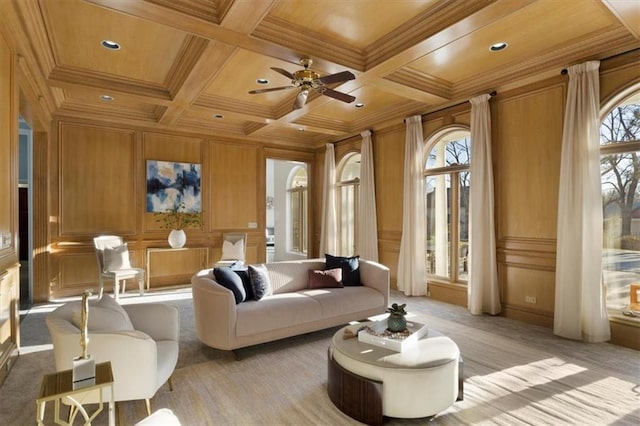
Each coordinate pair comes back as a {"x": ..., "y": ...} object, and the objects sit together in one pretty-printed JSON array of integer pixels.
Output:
[{"x": 368, "y": 382}]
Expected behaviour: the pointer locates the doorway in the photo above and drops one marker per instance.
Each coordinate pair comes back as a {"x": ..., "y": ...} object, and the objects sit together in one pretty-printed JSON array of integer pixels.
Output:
[
  {"x": 287, "y": 218},
  {"x": 25, "y": 222}
]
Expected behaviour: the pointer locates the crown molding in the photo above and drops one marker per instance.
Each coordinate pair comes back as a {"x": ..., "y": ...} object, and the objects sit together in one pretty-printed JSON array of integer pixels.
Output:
[
  {"x": 87, "y": 78},
  {"x": 421, "y": 81},
  {"x": 308, "y": 43}
]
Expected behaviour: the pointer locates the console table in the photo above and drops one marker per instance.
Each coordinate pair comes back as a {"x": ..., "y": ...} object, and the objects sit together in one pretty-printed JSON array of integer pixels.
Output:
[
  {"x": 170, "y": 266},
  {"x": 58, "y": 386}
]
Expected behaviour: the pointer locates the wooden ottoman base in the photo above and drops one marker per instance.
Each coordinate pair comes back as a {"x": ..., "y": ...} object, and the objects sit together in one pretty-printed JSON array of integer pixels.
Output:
[{"x": 356, "y": 396}]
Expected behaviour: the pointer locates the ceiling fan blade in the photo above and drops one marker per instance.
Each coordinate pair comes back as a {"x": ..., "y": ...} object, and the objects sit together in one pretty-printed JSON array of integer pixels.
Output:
[
  {"x": 301, "y": 99},
  {"x": 284, "y": 72},
  {"x": 337, "y": 77},
  {"x": 337, "y": 95},
  {"x": 270, "y": 89}
]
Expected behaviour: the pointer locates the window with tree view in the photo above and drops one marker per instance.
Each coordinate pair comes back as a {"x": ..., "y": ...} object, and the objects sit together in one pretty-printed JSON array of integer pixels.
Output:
[
  {"x": 348, "y": 186},
  {"x": 447, "y": 180},
  {"x": 620, "y": 175}
]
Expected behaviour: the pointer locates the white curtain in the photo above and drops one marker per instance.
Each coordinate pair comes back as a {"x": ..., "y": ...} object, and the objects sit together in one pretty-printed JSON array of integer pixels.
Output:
[
  {"x": 483, "y": 290},
  {"x": 580, "y": 309},
  {"x": 411, "y": 262},
  {"x": 329, "y": 230},
  {"x": 367, "y": 244}
]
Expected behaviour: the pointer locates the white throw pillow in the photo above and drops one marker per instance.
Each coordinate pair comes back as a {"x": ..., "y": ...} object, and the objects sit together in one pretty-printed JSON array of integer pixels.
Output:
[
  {"x": 116, "y": 258},
  {"x": 105, "y": 314},
  {"x": 233, "y": 251}
]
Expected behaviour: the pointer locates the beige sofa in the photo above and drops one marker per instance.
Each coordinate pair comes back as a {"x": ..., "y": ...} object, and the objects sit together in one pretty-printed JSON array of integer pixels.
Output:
[{"x": 292, "y": 309}]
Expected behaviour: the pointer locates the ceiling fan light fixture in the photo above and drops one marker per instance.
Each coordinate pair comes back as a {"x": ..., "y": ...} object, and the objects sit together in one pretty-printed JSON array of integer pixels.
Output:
[
  {"x": 262, "y": 81},
  {"x": 359, "y": 105},
  {"x": 306, "y": 80},
  {"x": 496, "y": 47},
  {"x": 110, "y": 44},
  {"x": 301, "y": 98}
]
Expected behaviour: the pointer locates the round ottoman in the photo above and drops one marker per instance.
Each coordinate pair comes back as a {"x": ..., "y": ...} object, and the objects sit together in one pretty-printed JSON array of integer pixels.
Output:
[{"x": 420, "y": 381}]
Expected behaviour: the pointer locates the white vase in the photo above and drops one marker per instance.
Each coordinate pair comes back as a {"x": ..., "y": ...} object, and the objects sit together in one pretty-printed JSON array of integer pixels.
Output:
[{"x": 177, "y": 238}]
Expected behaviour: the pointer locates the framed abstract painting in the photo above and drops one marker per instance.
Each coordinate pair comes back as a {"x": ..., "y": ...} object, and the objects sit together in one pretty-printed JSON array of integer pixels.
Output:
[{"x": 170, "y": 184}]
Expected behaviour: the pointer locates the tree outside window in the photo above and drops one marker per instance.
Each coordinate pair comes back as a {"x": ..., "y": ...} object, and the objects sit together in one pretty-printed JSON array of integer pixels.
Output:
[{"x": 620, "y": 175}]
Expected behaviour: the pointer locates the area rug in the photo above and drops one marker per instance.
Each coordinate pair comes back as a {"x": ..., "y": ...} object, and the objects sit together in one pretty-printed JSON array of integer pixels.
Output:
[{"x": 515, "y": 374}]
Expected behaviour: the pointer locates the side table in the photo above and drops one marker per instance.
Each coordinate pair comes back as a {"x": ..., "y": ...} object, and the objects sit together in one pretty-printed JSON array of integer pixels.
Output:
[{"x": 58, "y": 386}]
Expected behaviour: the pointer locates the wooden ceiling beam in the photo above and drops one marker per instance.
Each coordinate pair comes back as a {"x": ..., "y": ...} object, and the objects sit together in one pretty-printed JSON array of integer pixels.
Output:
[
  {"x": 190, "y": 24},
  {"x": 197, "y": 79}
]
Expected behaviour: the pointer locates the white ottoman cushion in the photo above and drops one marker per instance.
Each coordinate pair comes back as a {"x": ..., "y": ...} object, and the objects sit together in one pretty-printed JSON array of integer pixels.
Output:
[{"x": 418, "y": 382}]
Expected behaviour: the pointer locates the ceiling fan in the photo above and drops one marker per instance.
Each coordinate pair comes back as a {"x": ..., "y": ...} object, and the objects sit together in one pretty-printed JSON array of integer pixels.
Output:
[{"x": 307, "y": 80}]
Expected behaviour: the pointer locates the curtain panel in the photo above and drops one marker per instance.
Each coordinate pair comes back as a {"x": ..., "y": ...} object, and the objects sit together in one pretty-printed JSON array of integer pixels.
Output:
[
  {"x": 412, "y": 259},
  {"x": 483, "y": 290},
  {"x": 367, "y": 243},
  {"x": 329, "y": 228},
  {"x": 580, "y": 308}
]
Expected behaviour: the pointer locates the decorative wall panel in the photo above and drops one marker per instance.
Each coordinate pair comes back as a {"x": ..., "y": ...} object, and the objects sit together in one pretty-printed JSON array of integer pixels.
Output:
[
  {"x": 97, "y": 180},
  {"x": 233, "y": 186}
]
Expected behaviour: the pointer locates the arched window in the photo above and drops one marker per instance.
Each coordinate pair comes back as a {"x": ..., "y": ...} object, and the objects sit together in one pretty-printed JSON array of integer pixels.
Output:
[
  {"x": 348, "y": 186},
  {"x": 447, "y": 179},
  {"x": 297, "y": 218},
  {"x": 620, "y": 178}
]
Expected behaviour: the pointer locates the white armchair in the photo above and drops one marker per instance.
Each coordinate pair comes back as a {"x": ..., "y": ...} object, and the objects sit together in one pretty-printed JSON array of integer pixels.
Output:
[
  {"x": 112, "y": 256},
  {"x": 142, "y": 358}
]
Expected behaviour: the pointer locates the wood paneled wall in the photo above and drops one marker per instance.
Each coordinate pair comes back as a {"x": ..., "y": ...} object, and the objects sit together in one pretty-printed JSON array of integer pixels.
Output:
[
  {"x": 527, "y": 141},
  {"x": 9, "y": 266},
  {"x": 105, "y": 193}
]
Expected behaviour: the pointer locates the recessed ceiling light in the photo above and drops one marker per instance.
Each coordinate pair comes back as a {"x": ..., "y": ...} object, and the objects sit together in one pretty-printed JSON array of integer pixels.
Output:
[
  {"x": 262, "y": 81},
  {"x": 218, "y": 116},
  {"x": 301, "y": 129},
  {"x": 110, "y": 44},
  {"x": 498, "y": 46},
  {"x": 359, "y": 105},
  {"x": 107, "y": 98}
]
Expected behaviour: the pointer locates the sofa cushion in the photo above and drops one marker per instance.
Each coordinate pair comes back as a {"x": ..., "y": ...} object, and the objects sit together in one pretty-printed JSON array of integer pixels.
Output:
[
  {"x": 105, "y": 314},
  {"x": 350, "y": 268},
  {"x": 325, "y": 279},
  {"x": 260, "y": 282},
  {"x": 275, "y": 312},
  {"x": 340, "y": 301},
  {"x": 115, "y": 258},
  {"x": 291, "y": 275},
  {"x": 228, "y": 278}
]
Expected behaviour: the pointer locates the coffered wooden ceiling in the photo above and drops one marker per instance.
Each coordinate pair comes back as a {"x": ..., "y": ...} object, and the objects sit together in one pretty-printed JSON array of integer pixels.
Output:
[{"x": 184, "y": 62}]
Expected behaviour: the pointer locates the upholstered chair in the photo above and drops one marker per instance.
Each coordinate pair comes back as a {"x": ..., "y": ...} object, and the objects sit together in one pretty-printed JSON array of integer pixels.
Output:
[
  {"x": 140, "y": 340},
  {"x": 112, "y": 256},
  {"x": 234, "y": 249}
]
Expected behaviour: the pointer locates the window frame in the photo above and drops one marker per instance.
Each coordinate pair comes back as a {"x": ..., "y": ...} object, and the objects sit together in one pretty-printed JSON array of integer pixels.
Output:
[
  {"x": 340, "y": 185},
  {"x": 454, "y": 214},
  {"x": 301, "y": 206},
  {"x": 612, "y": 149}
]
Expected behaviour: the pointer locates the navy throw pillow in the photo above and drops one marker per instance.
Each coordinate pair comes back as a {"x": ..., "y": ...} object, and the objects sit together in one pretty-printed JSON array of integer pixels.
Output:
[
  {"x": 246, "y": 282},
  {"x": 226, "y": 277},
  {"x": 350, "y": 268}
]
